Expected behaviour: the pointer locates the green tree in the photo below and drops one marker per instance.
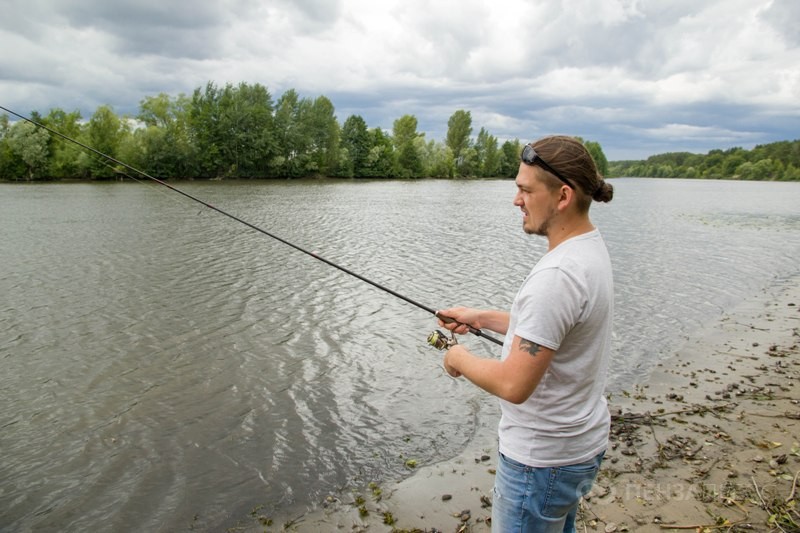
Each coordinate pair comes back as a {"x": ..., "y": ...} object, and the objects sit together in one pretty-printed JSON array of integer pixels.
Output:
[
  {"x": 509, "y": 158},
  {"x": 11, "y": 166},
  {"x": 404, "y": 134},
  {"x": 733, "y": 158},
  {"x": 763, "y": 169},
  {"x": 291, "y": 157},
  {"x": 380, "y": 161},
  {"x": 104, "y": 132},
  {"x": 64, "y": 155},
  {"x": 459, "y": 130},
  {"x": 356, "y": 143},
  {"x": 204, "y": 131},
  {"x": 29, "y": 144},
  {"x": 437, "y": 159},
  {"x": 232, "y": 130},
  {"x": 765, "y": 162},
  {"x": 712, "y": 164},
  {"x": 157, "y": 110},
  {"x": 599, "y": 157},
  {"x": 487, "y": 154},
  {"x": 237, "y": 131},
  {"x": 7, "y": 159},
  {"x": 246, "y": 129},
  {"x": 162, "y": 148},
  {"x": 148, "y": 149},
  {"x": 791, "y": 173},
  {"x": 321, "y": 128}
]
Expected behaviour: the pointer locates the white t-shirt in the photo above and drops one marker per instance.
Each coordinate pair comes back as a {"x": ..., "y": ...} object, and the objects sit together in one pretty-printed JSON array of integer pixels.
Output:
[{"x": 566, "y": 304}]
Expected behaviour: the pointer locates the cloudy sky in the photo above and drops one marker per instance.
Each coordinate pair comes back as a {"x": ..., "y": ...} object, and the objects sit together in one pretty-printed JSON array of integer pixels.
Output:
[{"x": 639, "y": 76}]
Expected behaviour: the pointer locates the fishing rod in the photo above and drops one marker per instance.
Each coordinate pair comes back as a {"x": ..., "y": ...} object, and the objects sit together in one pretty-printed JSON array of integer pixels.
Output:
[{"x": 435, "y": 338}]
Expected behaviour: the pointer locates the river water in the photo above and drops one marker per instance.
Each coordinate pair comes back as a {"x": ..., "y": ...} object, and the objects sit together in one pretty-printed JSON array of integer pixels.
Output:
[{"x": 166, "y": 368}]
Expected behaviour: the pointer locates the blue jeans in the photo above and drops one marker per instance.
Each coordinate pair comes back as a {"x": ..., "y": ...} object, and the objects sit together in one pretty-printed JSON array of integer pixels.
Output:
[{"x": 540, "y": 500}]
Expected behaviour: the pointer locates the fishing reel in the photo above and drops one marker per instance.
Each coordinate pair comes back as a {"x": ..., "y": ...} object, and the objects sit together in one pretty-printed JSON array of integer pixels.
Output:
[{"x": 440, "y": 341}]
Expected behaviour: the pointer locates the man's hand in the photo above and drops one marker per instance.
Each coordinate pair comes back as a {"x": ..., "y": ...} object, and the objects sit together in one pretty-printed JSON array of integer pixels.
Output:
[
  {"x": 460, "y": 318},
  {"x": 450, "y": 358}
]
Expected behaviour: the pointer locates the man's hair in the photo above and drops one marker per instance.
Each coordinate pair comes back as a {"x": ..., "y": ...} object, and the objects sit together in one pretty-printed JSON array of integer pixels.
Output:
[{"x": 569, "y": 157}]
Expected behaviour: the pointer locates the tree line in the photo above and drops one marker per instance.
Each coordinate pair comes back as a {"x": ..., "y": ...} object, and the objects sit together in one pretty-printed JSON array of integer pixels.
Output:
[
  {"x": 239, "y": 131},
  {"x": 779, "y": 161}
]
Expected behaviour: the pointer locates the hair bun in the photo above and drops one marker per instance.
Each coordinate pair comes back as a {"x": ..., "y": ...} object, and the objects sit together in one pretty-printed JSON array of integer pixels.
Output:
[{"x": 604, "y": 191}]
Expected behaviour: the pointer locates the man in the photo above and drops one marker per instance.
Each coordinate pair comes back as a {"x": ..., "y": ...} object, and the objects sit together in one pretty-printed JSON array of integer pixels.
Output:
[{"x": 550, "y": 379}]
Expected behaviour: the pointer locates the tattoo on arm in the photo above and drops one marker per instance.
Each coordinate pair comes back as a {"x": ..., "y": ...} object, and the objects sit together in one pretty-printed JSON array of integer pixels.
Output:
[{"x": 529, "y": 346}]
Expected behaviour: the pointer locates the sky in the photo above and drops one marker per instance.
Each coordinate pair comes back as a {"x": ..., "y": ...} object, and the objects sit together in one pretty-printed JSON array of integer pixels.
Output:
[{"x": 641, "y": 77}]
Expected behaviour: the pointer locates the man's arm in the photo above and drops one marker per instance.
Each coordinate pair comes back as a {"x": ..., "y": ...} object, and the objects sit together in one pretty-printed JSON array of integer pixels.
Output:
[
  {"x": 513, "y": 379},
  {"x": 496, "y": 321}
]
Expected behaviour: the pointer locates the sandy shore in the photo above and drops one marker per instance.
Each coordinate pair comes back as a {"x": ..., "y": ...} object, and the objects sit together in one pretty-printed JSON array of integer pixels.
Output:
[{"x": 709, "y": 444}]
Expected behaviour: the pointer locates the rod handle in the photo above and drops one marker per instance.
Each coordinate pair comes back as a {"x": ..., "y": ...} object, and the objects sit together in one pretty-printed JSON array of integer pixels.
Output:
[{"x": 474, "y": 331}]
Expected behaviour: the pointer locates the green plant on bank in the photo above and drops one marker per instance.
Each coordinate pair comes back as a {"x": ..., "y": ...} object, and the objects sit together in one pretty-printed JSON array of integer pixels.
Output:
[
  {"x": 778, "y": 161},
  {"x": 240, "y": 131},
  {"x": 377, "y": 492},
  {"x": 783, "y": 511},
  {"x": 361, "y": 504},
  {"x": 260, "y": 518},
  {"x": 388, "y": 519}
]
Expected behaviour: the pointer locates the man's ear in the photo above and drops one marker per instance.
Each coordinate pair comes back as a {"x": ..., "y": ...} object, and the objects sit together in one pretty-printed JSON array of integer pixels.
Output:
[{"x": 566, "y": 197}]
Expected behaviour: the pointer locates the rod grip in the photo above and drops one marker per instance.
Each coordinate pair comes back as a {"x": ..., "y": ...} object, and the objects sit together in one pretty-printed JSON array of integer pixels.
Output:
[{"x": 474, "y": 331}]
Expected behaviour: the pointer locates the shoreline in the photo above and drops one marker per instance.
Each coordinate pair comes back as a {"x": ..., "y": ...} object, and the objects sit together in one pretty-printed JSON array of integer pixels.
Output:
[{"x": 708, "y": 443}]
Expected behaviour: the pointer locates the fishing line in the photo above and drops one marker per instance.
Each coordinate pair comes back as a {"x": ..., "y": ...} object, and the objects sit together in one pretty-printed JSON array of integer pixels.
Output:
[{"x": 394, "y": 293}]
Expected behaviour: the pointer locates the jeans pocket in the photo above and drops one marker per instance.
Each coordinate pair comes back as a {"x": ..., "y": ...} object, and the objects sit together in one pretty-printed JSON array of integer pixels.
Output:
[
  {"x": 511, "y": 463},
  {"x": 566, "y": 486}
]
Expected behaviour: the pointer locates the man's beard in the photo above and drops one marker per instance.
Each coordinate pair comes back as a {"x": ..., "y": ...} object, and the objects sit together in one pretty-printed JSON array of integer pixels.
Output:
[{"x": 543, "y": 228}]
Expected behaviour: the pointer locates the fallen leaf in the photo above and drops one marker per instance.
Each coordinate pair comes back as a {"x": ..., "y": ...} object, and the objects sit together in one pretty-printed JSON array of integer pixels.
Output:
[{"x": 766, "y": 444}]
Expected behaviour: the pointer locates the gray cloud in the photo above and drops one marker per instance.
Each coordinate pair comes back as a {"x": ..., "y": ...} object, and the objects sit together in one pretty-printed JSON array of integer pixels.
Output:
[
  {"x": 783, "y": 15},
  {"x": 167, "y": 29},
  {"x": 639, "y": 76}
]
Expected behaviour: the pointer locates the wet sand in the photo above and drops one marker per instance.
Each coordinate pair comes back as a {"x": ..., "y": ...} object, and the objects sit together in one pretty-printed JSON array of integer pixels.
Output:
[{"x": 710, "y": 443}]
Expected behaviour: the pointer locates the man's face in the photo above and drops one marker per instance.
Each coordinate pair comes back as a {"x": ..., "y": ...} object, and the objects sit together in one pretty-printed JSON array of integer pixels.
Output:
[{"x": 537, "y": 202}]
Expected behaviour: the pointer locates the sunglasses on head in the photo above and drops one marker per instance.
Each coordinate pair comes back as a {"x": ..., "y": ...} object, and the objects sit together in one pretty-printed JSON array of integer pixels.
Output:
[{"x": 530, "y": 157}]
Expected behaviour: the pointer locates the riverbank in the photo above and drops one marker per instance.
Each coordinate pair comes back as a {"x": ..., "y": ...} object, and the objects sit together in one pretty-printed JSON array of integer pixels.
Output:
[{"x": 710, "y": 443}]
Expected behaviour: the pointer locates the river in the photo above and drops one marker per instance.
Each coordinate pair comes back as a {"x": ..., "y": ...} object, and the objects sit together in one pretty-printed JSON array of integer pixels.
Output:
[{"x": 167, "y": 368}]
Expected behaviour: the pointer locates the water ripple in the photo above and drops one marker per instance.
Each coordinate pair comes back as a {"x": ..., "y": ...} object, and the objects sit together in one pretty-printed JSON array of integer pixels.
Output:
[{"x": 158, "y": 355}]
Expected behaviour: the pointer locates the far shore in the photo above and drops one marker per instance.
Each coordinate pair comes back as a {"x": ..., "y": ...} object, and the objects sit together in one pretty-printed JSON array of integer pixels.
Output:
[
  {"x": 710, "y": 443},
  {"x": 344, "y": 179}
]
